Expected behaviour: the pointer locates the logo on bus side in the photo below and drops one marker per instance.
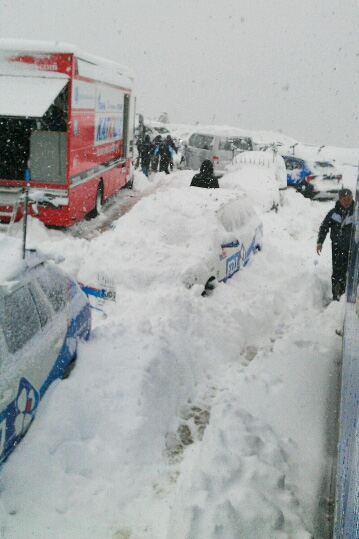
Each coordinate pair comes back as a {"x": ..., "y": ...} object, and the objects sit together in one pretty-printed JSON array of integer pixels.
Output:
[{"x": 108, "y": 128}]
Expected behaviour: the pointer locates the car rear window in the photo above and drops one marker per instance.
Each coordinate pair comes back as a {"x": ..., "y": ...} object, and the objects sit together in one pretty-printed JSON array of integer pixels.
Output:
[
  {"x": 204, "y": 142},
  {"x": 323, "y": 164},
  {"x": 18, "y": 318},
  {"x": 56, "y": 287},
  {"x": 290, "y": 164}
]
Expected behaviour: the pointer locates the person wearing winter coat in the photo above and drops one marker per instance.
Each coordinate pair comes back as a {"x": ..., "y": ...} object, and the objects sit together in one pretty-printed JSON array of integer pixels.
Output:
[
  {"x": 165, "y": 151},
  {"x": 170, "y": 141},
  {"x": 339, "y": 221},
  {"x": 205, "y": 178},
  {"x": 157, "y": 141},
  {"x": 146, "y": 153}
]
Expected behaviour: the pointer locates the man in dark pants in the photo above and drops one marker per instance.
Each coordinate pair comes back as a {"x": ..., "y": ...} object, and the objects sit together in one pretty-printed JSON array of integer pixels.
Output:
[
  {"x": 340, "y": 222},
  {"x": 146, "y": 153}
]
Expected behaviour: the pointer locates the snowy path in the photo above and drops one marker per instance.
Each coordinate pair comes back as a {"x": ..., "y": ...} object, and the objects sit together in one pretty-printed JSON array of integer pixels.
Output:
[{"x": 187, "y": 417}]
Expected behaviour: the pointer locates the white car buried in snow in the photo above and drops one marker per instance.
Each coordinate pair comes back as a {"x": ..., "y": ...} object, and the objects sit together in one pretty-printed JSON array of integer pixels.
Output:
[
  {"x": 43, "y": 316},
  {"x": 242, "y": 235},
  {"x": 207, "y": 235}
]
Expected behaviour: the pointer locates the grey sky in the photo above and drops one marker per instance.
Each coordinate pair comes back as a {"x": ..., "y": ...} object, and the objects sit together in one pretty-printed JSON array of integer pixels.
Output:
[{"x": 279, "y": 65}]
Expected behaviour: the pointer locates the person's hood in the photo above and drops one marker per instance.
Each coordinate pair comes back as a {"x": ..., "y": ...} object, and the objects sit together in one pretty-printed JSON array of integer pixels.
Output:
[{"x": 206, "y": 168}]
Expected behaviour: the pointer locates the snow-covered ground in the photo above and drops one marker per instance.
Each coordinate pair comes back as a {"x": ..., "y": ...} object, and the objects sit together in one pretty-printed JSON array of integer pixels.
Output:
[{"x": 187, "y": 417}]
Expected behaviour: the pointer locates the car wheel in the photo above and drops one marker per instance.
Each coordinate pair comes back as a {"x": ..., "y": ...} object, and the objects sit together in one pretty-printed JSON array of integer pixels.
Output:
[
  {"x": 68, "y": 369},
  {"x": 209, "y": 286}
]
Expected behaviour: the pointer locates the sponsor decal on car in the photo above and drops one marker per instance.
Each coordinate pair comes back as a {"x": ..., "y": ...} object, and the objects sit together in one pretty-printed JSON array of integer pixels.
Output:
[{"x": 232, "y": 264}]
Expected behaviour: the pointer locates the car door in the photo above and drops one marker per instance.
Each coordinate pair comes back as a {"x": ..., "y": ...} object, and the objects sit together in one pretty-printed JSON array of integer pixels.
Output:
[
  {"x": 229, "y": 259},
  {"x": 28, "y": 359}
]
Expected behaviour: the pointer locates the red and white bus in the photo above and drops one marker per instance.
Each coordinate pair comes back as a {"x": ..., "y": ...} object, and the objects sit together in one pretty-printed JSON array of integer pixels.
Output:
[{"x": 66, "y": 130}]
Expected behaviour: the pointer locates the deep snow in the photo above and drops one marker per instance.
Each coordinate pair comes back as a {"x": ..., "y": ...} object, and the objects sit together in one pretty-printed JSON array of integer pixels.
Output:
[{"x": 187, "y": 417}]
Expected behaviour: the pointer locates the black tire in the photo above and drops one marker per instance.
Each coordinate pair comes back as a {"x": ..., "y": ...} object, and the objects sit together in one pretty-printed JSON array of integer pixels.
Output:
[
  {"x": 99, "y": 200},
  {"x": 68, "y": 369},
  {"x": 209, "y": 286},
  {"x": 129, "y": 184}
]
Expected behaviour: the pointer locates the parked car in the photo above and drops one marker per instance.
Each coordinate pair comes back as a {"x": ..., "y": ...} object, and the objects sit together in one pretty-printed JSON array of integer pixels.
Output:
[
  {"x": 43, "y": 315},
  {"x": 318, "y": 180},
  {"x": 219, "y": 147},
  {"x": 154, "y": 131},
  {"x": 265, "y": 159},
  {"x": 209, "y": 235},
  {"x": 242, "y": 238},
  {"x": 262, "y": 175}
]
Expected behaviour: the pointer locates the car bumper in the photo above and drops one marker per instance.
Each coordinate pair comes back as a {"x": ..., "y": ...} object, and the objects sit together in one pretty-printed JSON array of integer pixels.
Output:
[{"x": 325, "y": 195}]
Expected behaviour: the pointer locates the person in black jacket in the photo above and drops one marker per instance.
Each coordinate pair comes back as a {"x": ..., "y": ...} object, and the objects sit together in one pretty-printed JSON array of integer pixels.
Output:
[
  {"x": 146, "y": 154},
  {"x": 205, "y": 178},
  {"x": 340, "y": 222}
]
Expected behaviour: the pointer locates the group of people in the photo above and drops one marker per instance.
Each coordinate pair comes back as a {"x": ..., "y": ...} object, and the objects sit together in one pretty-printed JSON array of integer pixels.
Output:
[{"x": 156, "y": 155}]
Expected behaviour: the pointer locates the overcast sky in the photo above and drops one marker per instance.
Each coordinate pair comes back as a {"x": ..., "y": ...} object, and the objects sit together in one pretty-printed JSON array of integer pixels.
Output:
[{"x": 280, "y": 65}]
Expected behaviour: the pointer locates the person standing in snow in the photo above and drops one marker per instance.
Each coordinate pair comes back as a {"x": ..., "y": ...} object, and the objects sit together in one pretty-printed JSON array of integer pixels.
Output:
[
  {"x": 146, "y": 153},
  {"x": 205, "y": 178},
  {"x": 170, "y": 141},
  {"x": 339, "y": 221},
  {"x": 156, "y": 143},
  {"x": 166, "y": 154}
]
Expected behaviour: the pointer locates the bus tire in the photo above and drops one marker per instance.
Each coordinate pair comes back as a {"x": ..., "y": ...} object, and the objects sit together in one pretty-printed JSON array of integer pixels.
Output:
[{"x": 99, "y": 200}]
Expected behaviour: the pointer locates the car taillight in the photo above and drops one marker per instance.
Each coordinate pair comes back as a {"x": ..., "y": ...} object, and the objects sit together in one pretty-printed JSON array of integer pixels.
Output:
[
  {"x": 215, "y": 158},
  {"x": 310, "y": 178}
]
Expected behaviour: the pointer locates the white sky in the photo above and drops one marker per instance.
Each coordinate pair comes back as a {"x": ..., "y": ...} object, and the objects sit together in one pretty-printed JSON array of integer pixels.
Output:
[{"x": 283, "y": 65}]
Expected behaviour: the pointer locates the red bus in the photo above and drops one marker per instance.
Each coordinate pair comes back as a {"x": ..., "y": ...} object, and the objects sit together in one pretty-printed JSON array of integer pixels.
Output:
[{"x": 66, "y": 130}]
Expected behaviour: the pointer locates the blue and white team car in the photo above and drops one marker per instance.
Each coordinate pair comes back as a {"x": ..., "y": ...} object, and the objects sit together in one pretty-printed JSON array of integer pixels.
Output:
[
  {"x": 43, "y": 315},
  {"x": 238, "y": 235}
]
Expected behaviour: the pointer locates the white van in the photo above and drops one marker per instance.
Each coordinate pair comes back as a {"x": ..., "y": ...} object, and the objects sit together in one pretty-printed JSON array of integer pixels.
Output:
[{"x": 220, "y": 148}]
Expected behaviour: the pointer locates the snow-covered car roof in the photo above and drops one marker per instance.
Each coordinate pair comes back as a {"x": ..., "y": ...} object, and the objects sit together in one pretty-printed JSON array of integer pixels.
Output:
[
  {"x": 12, "y": 264},
  {"x": 257, "y": 181},
  {"x": 222, "y": 131}
]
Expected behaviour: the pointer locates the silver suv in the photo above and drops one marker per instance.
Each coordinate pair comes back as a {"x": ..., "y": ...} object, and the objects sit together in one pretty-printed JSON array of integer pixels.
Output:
[{"x": 220, "y": 149}]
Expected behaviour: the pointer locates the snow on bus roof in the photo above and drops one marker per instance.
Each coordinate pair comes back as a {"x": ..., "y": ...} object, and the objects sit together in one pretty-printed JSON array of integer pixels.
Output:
[{"x": 100, "y": 68}]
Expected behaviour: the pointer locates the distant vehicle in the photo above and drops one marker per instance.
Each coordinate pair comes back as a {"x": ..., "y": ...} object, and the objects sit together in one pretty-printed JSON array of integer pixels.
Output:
[
  {"x": 43, "y": 315},
  {"x": 154, "y": 131},
  {"x": 267, "y": 159},
  {"x": 261, "y": 176},
  {"x": 319, "y": 180},
  {"x": 219, "y": 148},
  {"x": 66, "y": 128}
]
